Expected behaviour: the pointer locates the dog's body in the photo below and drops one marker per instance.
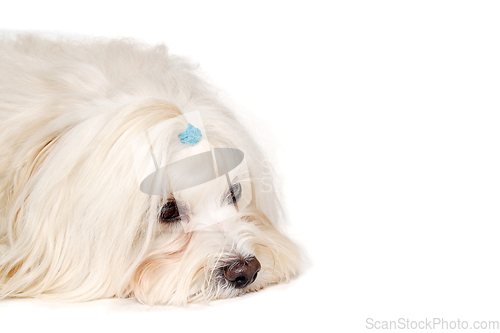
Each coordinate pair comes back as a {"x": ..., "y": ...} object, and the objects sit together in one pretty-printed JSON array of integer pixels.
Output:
[{"x": 74, "y": 223}]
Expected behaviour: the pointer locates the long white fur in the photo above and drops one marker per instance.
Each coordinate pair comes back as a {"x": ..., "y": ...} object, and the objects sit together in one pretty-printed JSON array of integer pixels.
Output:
[{"x": 73, "y": 223}]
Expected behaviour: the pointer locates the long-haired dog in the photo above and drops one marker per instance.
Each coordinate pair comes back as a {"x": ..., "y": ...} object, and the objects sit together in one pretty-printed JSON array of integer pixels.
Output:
[{"x": 123, "y": 175}]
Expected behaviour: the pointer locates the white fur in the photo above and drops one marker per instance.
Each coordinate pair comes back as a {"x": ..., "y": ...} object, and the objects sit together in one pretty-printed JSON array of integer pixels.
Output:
[{"x": 73, "y": 223}]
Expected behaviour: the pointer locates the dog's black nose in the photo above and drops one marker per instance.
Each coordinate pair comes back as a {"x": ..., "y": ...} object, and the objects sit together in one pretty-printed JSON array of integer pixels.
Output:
[{"x": 242, "y": 272}]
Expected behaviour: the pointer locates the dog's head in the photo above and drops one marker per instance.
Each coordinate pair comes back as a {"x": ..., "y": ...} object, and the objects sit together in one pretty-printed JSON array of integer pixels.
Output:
[
  {"x": 100, "y": 215},
  {"x": 212, "y": 204}
]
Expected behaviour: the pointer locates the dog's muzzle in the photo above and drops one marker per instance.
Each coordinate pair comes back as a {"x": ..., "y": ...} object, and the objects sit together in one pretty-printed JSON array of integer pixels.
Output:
[{"x": 240, "y": 273}]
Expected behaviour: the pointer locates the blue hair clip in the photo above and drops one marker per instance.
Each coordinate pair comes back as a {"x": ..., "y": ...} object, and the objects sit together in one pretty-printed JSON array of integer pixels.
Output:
[{"x": 190, "y": 136}]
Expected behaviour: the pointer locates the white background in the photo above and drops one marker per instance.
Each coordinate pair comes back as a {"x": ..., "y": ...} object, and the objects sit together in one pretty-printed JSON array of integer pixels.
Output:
[{"x": 385, "y": 119}]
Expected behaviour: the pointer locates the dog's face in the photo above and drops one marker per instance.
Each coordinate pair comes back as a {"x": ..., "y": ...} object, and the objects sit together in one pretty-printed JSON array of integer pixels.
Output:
[
  {"x": 242, "y": 253},
  {"x": 85, "y": 215},
  {"x": 210, "y": 240}
]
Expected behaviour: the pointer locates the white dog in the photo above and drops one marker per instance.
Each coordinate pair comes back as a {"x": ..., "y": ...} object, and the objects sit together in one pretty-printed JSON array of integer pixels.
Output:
[{"x": 122, "y": 175}]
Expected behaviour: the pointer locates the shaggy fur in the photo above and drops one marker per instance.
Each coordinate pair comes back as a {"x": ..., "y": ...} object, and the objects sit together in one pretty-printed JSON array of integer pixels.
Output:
[{"x": 74, "y": 224}]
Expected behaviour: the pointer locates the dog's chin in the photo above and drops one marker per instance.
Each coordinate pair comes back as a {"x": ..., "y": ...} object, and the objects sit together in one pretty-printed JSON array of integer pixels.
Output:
[{"x": 223, "y": 261}]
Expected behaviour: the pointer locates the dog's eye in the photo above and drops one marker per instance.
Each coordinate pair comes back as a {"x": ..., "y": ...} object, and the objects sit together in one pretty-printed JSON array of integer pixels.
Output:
[
  {"x": 234, "y": 194},
  {"x": 169, "y": 212}
]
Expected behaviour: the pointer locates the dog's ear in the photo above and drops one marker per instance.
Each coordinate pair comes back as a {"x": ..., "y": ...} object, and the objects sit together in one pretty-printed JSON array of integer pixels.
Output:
[
  {"x": 13, "y": 189},
  {"x": 24, "y": 166},
  {"x": 34, "y": 160}
]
